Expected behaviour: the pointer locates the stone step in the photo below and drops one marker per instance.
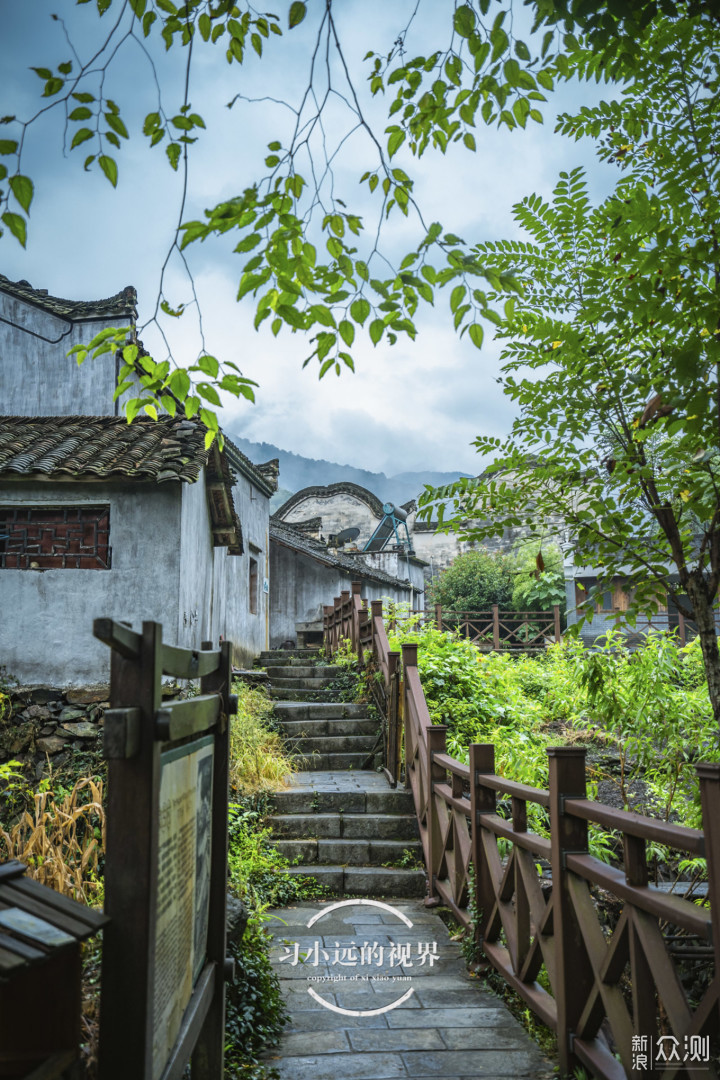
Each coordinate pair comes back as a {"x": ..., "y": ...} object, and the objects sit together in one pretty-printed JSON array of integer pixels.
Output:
[
  {"x": 364, "y": 880},
  {"x": 329, "y": 851},
  {"x": 283, "y": 656},
  {"x": 326, "y": 671},
  {"x": 313, "y": 729},
  {"x": 332, "y": 762},
  {"x": 347, "y": 826},
  {"x": 281, "y": 693},
  {"x": 300, "y": 683},
  {"x": 332, "y": 744},
  {"x": 320, "y": 710},
  {"x": 319, "y": 804}
]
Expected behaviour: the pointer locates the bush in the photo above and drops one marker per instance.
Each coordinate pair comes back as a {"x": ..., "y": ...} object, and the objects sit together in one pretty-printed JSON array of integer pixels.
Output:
[
  {"x": 539, "y": 581},
  {"x": 258, "y": 761},
  {"x": 474, "y": 582}
]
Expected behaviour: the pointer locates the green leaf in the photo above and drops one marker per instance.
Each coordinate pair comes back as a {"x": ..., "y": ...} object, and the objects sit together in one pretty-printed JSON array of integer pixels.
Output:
[
  {"x": 298, "y": 11},
  {"x": 209, "y": 365},
  {"x": 17, "y": 226},
  {"x": 81, "y": 113},
  {"x": 347, "y": 332},
  {"x": 81, "y": 136},
  {"x": 469, "y": 140},
  {"x": 204, "y": 26},
  {"x": 22, "y": 188},
  {"x": 464, "y": 20},
  {"x": 522, "y": 50},
  {"x": 173, "y": 152},
  {"x": 377, "y": 327},
  {"x": 109, "y": 167},
  {"x": 138, "y": 7},
  {"x": 209, "y": 393},
  {"x": 476, "y": 334},
  {"x": 360, "y": 309},
  {"x": 8, "y": 146}
]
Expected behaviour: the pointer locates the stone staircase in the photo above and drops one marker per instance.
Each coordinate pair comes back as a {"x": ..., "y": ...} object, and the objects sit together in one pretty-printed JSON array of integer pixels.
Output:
[{"x": 339, "y": 821}]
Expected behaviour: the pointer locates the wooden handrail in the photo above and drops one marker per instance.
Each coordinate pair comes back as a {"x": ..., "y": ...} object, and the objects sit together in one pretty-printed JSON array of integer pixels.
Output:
[{"x": 550, "y": 920}]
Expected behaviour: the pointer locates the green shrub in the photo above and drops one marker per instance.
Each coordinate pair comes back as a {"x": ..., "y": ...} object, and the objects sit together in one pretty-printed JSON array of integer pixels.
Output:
[
  {"x": 474, "y": 582},
  {"x": 258, "y": 761},
  {"x": 539, "y": 581}
]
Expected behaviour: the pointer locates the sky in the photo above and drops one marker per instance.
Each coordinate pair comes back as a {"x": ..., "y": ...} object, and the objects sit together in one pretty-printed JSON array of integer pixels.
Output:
[{"x": 417, "y": 405}]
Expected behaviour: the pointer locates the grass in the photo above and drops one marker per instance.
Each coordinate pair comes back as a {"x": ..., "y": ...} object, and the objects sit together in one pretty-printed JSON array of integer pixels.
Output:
[{"x": 258, "y": 759}]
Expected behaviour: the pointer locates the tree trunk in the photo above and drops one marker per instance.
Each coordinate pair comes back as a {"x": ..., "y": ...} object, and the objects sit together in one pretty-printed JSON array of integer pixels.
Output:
[{"x": 704, "y": 616}]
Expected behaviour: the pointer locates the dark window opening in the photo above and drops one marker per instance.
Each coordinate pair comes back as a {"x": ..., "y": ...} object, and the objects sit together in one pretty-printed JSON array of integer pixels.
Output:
[
  {"x": 253, "y": 586},
  {"x": 55, "y": 538}
]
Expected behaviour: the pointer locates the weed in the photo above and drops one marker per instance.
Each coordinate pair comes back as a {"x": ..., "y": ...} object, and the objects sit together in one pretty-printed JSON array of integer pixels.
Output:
[{"x": 258, "y": 760}]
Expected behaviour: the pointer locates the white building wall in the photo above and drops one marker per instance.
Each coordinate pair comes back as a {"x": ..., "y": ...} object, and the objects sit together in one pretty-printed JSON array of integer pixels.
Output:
[{"x": 46, "y": 616}]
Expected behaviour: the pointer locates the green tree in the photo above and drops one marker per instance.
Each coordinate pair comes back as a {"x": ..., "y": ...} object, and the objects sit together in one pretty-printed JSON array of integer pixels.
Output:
[
  {"x": 612, "y": 349},
  {"x": 539, "y": 581},
  {"x": 475, "y": 581},
  {"x": 313, "y": 265}
]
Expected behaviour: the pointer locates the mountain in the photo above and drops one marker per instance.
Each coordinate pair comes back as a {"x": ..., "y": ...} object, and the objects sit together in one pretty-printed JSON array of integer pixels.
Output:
[{"x": 298, "y": 472}]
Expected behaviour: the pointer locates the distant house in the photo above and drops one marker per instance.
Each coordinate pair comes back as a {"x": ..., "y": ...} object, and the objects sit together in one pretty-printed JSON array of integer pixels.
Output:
[
  {"x": 306, "y": 574},
  {"x": 98, "y": 517}
]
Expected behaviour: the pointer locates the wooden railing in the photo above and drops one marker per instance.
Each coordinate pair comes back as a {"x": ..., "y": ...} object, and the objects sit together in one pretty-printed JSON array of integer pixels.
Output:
[
  {"x": 500, "y": 629},
  {"x": 537, "y": 922}
]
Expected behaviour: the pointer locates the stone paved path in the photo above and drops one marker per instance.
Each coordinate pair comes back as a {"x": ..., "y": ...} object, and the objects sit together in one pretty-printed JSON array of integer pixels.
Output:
[{"x": 447, "y": 1026}]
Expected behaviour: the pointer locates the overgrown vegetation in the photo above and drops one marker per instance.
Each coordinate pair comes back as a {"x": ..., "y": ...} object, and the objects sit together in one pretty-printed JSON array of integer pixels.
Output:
[
  {"x": 529, "y": 579},
  {"x": 258, "y": 761},
  {"x": 645, "y": 717}
]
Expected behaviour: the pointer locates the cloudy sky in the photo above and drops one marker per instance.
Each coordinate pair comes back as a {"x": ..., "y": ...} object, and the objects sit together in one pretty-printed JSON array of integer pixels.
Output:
[{"x": 410, "y": 407}]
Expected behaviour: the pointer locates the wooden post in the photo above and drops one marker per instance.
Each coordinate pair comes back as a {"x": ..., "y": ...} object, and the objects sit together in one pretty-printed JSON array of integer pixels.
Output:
[
  {"x": 573, "y": 981},
  {"x": 376, "y": 607},
  {"x": 409, "y": 660},
  {"x": 438, "y": 616},
  {"x": 356, "y": 587},
  {"x": 556, "y": 613},
  {"x": 328, "y": 611},
  {"x": 482, "y": 801},
  {"x": 436, "y": 736},
  {"x": 709, "y": 777},
  {"x": 207, "y": 1061},
  {"x": 131, "y": 871},
  {"x": 391, "y": 692},
  {"x": 496, "y": 628}
]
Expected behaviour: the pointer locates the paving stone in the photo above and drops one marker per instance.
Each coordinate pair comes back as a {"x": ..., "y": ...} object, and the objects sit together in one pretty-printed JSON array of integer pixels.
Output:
[
  {"x": 324, "y": 1020},
  {"x": 466, "y": 996},
  {"x": 489, "y": 1038},
  {"x": 355, "y": 852},
  {"x": 396, "y": 1039},
  {"x": 470, "y": 1063},
  {"x": 379, "y": 881},
  {"x": 449, "y": 1018},
  {"x": 349, "y": 997},
  {"x": 354, "y": 1067},
  {"x": 380, "y": 827},
  {"x": 315, "y": 1042}
]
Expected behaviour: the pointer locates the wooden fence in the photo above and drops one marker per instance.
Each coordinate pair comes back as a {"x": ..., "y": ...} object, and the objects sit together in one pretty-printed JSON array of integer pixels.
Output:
[
  {"x": 164, "y": 965},
  {"x": 497, "y": 629},
  {"x": 538, "y": 924}
]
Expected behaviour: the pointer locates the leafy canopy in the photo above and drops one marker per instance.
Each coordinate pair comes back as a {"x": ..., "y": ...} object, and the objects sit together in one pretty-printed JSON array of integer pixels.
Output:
[{"x": 311, "y": 264}]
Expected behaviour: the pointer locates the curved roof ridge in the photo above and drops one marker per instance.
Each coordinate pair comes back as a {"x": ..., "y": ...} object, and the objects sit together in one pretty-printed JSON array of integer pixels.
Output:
[
  {"x": 122, "y": 303},
  {"x": 327, "y": 491}
]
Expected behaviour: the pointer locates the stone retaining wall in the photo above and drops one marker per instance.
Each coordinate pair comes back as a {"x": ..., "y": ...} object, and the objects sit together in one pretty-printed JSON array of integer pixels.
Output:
[{"x": 43, "y": 724}]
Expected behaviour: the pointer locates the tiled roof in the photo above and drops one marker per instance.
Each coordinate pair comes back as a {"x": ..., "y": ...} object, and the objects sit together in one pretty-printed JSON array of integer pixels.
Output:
[
  {"x": 102, "y": 446},
  {"x": 263, "y": 477},
  {"x": 123, "y": 304},
  {"x": 289, "y": 536},
  {"x": 107, "y": 447}
]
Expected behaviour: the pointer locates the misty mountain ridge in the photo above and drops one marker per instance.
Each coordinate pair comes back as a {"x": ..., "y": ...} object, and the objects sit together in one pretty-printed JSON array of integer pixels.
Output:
[{"x": 297, "y": 472}]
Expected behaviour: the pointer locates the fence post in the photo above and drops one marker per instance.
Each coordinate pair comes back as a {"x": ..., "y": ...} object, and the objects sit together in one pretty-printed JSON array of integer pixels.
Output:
[
  {"x": 482, "y": 801},
  {"x": 391, "y": 696},
  {"x": 356, "y": 587},
  {"x": 207, "y": 1061},
  {"x": 709, "y": 777},
  {"x": 409, "y": 659},
  {"x": 556, "y": 613},
  {"x": 438, "y": 616},
  {"x": 436, "y": 736},
  {"x": 568, "y": 835},
  {"x": 376, "y": 607},
  {"x": 496, "y": 628},
  {"x": 328, "y": 611},
  {"x": 131, "y": 880}
]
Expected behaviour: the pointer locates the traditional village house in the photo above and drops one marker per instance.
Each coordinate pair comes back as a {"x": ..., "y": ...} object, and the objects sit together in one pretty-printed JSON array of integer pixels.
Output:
[{"x": 98, "y": 517}]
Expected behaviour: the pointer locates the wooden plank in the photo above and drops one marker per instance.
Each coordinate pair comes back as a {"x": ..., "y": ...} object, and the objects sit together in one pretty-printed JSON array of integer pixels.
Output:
[
  {"x": 541, "y": 1003},
  {"x": 519, "y": 791},
  {"x": 94, "y": 918},
  {"x": 597, "y": 1057},
  {"x": 119, "y": 637},
  {"x": 189, "y": 663},
  {"x": 192, "y": 1022},
  {"x": 455, "y": 767},
  {"x": 10, "y": 962},
  {"x": 179, "y": 719},
  {"x": 663, "y": 832},
  {"x": 12, "y": 869},
  {"x": 663, "y": 905},
  {"x": 70, "y": 924},
  {"x": 528, "y": 841},
  {"x": 21, "y": 948}
]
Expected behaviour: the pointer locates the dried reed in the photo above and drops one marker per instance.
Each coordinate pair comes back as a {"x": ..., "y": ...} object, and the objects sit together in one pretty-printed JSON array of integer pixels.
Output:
[{"x": 59, "y": 840}]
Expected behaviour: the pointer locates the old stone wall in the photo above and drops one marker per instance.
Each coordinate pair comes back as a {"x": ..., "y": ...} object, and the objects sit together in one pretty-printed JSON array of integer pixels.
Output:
[{"x": 45, "y": 727}]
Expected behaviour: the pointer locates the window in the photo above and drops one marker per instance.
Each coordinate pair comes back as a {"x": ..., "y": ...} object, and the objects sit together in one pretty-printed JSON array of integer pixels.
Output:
[
  {"x": 55, "y": 538},
  {"x": 253, "y": 586}
]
